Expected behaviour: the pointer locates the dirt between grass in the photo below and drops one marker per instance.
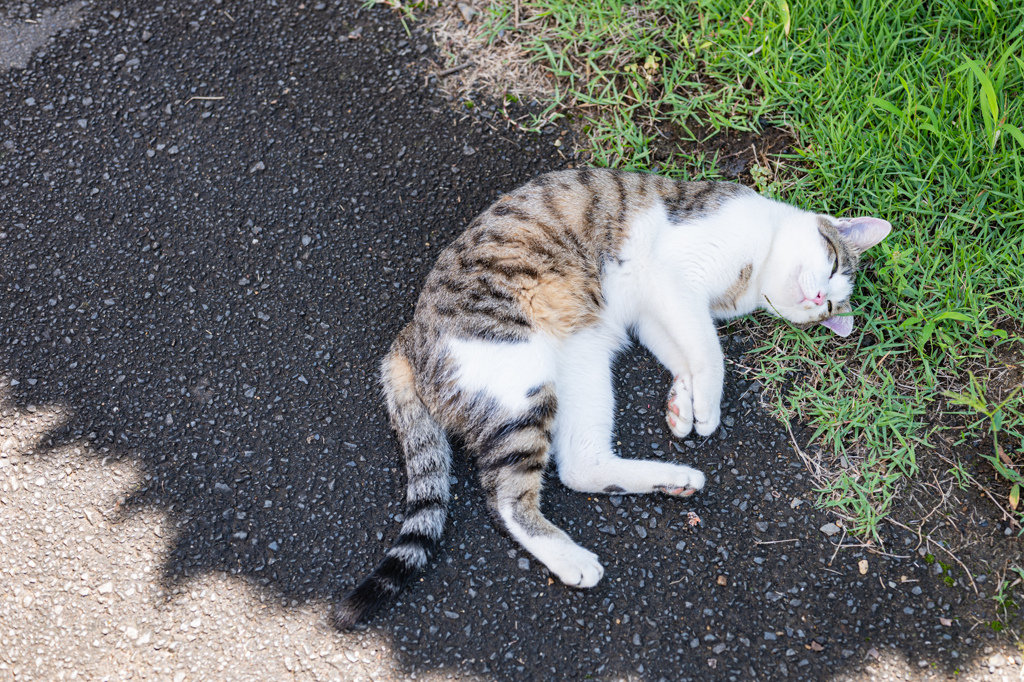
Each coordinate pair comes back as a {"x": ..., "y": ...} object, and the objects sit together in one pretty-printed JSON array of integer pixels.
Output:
[{"x": 731, "y": 152}]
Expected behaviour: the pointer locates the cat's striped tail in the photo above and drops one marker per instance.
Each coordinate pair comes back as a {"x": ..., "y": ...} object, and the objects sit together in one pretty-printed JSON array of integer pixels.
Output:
[{"x": 427, "y": 462}]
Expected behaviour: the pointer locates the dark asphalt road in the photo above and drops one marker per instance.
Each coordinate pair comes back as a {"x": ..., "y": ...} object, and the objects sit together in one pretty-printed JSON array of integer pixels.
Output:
[{"x": 208, "y": 284}]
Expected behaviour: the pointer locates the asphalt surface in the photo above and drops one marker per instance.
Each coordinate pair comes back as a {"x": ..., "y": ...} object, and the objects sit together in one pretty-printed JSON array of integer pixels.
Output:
[{"x": 215, "y": 218}]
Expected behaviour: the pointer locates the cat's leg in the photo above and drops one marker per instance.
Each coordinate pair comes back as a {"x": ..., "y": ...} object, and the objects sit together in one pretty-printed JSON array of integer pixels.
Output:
[
  {"x": 508, "y": 402},
  {"x": 693, "y": 333},
  {"x": 513, "y": 453},
  {"x": 586, "y": 417},
  {"x": 679, "y": 404}
]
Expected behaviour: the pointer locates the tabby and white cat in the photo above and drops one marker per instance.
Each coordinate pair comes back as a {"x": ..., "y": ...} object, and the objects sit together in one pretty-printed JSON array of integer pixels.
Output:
[{"x": 511, "y": 345}]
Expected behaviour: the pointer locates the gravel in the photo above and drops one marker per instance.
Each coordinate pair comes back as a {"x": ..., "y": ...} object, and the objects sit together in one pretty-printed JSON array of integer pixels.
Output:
[{"x": 194, "y": 457}]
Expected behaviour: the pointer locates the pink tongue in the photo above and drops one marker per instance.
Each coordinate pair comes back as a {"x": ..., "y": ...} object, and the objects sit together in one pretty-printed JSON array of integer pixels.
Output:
[{"x": 841, "y": 325}]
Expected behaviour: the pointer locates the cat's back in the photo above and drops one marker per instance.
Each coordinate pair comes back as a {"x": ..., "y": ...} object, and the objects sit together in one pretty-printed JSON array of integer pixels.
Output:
[
  {"x": 533, "y": 260},
  {"x": 572, "y": 217}
]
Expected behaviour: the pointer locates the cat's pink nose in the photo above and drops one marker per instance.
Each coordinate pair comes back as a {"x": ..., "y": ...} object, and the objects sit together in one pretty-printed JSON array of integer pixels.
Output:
[{"x": 819, "y": 298}]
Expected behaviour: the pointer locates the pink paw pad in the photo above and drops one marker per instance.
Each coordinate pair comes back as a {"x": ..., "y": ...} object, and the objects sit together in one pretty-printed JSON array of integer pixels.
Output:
[{"x": 679, "y": 492}]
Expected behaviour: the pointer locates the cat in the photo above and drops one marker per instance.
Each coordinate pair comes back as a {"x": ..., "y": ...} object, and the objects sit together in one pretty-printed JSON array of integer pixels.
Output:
[{"x": 511, "y": 344}]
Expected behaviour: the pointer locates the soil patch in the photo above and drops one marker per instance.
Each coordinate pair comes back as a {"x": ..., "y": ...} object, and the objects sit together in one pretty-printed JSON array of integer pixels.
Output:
[{"x": 732, "y": 152}]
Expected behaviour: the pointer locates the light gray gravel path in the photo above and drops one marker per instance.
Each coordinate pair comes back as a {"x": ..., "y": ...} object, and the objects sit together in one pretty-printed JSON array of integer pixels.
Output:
[{"x": 82, "y": 595}]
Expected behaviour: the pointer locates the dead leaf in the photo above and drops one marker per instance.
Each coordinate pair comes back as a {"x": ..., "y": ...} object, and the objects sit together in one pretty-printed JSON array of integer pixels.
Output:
[
  {"x": 814, "y": 646},
  {"x": 1002, "y": 455},
  {"x": 1014, "y": 496},
  {"x": 862, "y": 566}
]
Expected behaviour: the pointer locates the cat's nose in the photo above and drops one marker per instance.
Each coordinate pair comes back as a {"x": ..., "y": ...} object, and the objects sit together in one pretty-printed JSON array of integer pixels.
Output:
[{"x": 819, "y": 298}]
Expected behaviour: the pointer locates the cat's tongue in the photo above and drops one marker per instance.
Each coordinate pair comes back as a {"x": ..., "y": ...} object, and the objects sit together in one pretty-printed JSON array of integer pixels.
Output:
[{"x": 840, "y": 324}]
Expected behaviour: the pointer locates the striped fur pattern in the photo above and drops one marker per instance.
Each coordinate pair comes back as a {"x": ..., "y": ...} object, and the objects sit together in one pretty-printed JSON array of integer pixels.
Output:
[{"x": 511, "y": 345}]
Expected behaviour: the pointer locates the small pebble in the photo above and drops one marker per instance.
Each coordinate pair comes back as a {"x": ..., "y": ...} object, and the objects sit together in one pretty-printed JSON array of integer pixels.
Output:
[{"x": 830, "y": 529}]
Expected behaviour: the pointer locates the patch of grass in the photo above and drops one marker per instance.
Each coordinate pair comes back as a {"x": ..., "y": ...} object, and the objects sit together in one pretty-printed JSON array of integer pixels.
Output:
[
  {"x": 974, "y": 398},
  {"x": 906, "y": 110}
]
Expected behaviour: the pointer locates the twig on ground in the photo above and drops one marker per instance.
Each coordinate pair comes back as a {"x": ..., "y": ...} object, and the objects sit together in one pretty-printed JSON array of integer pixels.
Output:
[
  {"x": 943, "y": 494},
  {"x": 1007, "y": 515},
  {"x": 838, "y": 546},
  {"x": 875, "y": 550},
  {"x": 929, "y": 539},
  {"x": 813, "y": 468},
  {"x": 454, "y": 69}
]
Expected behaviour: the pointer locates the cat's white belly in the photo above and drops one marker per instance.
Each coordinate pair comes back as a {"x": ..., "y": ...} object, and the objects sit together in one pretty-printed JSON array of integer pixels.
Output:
[{"x": 507, "y": 372}]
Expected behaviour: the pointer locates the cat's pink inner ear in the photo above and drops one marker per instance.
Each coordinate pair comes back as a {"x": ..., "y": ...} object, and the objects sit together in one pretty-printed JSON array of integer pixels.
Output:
[
  {"x": 864, "y": 232},
  {"x": 840, "y": 324}
]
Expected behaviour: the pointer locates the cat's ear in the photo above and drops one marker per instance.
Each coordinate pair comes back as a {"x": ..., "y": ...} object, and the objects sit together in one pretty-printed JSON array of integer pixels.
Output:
[
  {"x": 863, "y": 232},
  {"x": 840, "y": 324}
]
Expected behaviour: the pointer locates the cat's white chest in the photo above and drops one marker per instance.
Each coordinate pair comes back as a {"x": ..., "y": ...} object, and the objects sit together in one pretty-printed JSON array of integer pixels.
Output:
[{"x": 713, "y": 263}]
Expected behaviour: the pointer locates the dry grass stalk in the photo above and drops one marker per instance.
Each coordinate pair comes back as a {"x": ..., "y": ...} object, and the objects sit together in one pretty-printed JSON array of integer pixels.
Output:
[{"x": 498, "y": 67}]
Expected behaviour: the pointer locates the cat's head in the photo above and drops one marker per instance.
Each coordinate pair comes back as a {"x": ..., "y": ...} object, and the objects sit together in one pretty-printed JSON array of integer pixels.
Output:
[{"x": 814, "y": 260}]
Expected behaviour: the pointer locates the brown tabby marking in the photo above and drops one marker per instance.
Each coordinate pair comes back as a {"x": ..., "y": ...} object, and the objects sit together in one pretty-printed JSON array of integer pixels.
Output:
[
  {"x": 532, "y": 262},
  {"x": 848, "y": 257},
  {"x": 727, "y": 301}
]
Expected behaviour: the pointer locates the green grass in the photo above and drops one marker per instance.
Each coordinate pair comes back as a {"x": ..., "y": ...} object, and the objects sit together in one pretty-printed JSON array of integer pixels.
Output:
[{"x": 907, "y": 110}]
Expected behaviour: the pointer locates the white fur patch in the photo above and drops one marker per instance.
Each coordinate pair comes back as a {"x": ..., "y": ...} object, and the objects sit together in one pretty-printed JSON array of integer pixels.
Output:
[
  {"x": 504, "y": 371},
  {"x": 425, "y": 522},
  {"x": 410, "y": 555},
  {"x": 573, "y": 564}
]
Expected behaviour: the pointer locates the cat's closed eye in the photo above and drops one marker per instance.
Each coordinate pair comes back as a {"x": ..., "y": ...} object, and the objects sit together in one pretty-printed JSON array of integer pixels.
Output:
[{"x": 832, "y": 256}]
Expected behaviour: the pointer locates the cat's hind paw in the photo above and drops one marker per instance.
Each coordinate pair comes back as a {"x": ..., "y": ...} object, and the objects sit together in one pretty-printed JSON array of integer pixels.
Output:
[
  {"x": 575, "y": 566},
  {"x": 679, "y": 410}
]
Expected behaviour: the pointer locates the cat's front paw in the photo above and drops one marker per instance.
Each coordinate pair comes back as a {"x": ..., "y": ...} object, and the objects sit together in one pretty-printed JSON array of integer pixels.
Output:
[
  {"x": 706, "y": 421},
  {"x": 679, "y": 410},
  {"x": 685, "y": 482}
]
